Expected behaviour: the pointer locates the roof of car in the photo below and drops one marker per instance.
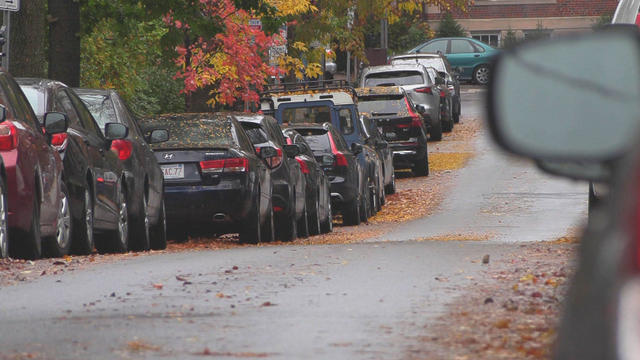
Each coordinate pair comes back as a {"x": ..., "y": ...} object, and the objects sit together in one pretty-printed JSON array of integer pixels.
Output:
[
  {"x": 379, "y": 90},
  {"x": 39, "y": 82},
  {"x": 417, "y": 55},
  {"x": 387, "y": 68},
  {"x": 87, "y": 91}
]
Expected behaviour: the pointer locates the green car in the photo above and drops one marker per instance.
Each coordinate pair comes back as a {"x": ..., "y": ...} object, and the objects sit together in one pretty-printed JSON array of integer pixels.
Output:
[{"x": 471, "y": 55}]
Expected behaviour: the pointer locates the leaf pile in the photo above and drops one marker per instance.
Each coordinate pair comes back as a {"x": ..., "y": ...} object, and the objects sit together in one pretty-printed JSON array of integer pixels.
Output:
[{"x": 448, "y": 161}]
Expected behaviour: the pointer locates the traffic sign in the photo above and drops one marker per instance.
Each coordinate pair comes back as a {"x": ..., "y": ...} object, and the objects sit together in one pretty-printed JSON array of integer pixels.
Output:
[{"x": 10, "y": 5}]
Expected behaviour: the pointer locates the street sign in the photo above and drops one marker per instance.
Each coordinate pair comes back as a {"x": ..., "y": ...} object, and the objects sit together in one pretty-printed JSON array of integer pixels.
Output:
[
  {"x": 255, "y": 24},
  {"x": 10, "y": 5}
]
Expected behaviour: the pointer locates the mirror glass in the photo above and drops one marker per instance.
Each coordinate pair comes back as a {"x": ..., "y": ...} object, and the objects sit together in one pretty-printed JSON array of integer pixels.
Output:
[
  {"x": 115, "y": 131},
  {"x": 158, "y": 136},
  {"x": 55, "y": 122},
  {"x": 572, "y": 98}
]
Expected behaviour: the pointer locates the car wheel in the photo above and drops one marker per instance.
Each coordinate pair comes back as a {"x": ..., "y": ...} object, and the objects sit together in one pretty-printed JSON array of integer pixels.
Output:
[
  {"x": 82, "y": 235},
  {"x": 314, "y": 217},
  {"x": 159, "y": 231},
  {"x": 140, "y": 230},
  {"x": 250, "y": 231},
  {"x": 287, "y": 226},
  {"x": 351, "y": 212},
  {"x": 117, "y": 240},
  {"x": 327, "y": 223},
  {"x": 267, "y": 234},
  {"x": 31, "y": 246},
  {"x": 456, "y": 115},
  {"x": 435, "y": 132},
  {"x": 59, "y": 244},
  {"x": 481, "y": 74},
  {"x": 303, "y": 223},
  {"x": 365, "y": 206},
  {"x": 4, "y": 227},
  {"x": 391, "y": 188},
  {"x": 421, "y": 166}
]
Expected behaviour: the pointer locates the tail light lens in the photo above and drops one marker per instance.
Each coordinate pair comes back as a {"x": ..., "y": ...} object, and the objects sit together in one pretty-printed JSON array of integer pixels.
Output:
[
  {"x": 424, "y": 90},
  {"x": 442, "y": 94},
  {"x": 303, "y": 165},
  {"x": 123, "y": 148},
  {"x": 416, "y": 119},
  {"x": 340, "y": 160},
  {"x": 8, "y": 136},
  {"x": 59, "y": 141},
  {"x": 225, "y": 165}
]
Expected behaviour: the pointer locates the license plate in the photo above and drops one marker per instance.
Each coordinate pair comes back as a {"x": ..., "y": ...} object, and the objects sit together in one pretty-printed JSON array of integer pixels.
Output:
[
  {"x": 173, "y": 171},
  {"x": 390, "y": 135}
]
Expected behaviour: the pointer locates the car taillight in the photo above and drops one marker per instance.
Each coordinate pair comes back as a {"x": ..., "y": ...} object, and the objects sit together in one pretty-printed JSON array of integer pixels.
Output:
[
  {"x": 442, "y": 94},
  {"x": 340, "y": 160},
  {"x": 303, "y": 166},
  {"x": 289, "y": 142},
  {"x": 123, "y": 148},
  {"x": 8, "y": 136},
  {"x": 416, "y": 119},
  {"x": 424, "y": 90},
  {"x": 58, "y": 139},
  {"x": 225, "y": 165}
]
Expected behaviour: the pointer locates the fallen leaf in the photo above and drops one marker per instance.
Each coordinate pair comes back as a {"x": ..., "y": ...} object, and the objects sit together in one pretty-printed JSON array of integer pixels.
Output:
[{"x": 158, "y": 286}]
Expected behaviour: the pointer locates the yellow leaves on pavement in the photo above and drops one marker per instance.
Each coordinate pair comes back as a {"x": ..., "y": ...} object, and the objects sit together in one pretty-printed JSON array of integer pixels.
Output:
[{"x": 448, "y": 161}]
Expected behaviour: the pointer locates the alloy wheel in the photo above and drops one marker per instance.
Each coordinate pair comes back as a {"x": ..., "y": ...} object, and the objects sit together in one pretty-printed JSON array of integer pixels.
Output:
[
  {"x": 4, "y": 231},
  {"x": 63, "y": 232}
]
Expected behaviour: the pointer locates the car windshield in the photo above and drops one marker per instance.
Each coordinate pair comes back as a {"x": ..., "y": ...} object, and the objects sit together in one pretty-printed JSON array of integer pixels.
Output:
[
  {"x": 36, "y": 100},
  {"x": 379, "y": 105},
  {"x": 311, "y": 114},
  {"x": 101, "y": 107},
  {"x": 434, "y": 62},
  {"x": 318, "y": 139},
  {"x": 194, "y": 133},
  {"x": 394, "y": 78}
]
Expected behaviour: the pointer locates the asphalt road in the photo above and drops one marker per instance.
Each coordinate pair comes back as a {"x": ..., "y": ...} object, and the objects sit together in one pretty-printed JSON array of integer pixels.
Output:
[{"x": 358, "y": 301}]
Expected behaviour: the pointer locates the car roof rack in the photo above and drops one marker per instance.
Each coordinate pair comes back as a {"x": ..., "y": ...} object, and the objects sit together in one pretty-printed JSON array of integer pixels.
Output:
[{"x": 312, "y": 85}]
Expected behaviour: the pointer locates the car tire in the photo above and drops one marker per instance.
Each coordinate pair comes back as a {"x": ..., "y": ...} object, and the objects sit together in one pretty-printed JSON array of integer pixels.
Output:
[
  {"x": 31, "y": 246},
  {"x": 303, "y": 223},
  {"x": 250, "y": 227},
  {"x": 314, "y": 217},
  {"x": 421, "y": 166},
  {"x": 4, "y": 224},
  {"x": 288, "y": 226},
  {"x": 351, "y": 213},
  {"x": 365, "y": 203},
  {"x": 326, "y": 226},
  {"x": 159, "y": 231},
  {"x": 140, "y": 230},
  {"x": 267, "y": 229},
  {"x": 481, "y": 74},
  {"x": 82, "y": 236},
  {"x": 117, "y": 241},
  {"x": 59, "y": 244},
  {"x": 391, "y": 188},
  {"x": 435, "y": 131}
]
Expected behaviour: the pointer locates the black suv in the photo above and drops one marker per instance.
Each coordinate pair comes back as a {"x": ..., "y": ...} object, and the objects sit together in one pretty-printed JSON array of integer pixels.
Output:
[
  {"x": 394, "y": 113},
  {"x": 289, "y": 183}
]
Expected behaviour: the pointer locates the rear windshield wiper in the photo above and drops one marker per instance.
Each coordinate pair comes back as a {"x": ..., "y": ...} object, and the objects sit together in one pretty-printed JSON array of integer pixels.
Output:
[{"x": 383, "y": 113}]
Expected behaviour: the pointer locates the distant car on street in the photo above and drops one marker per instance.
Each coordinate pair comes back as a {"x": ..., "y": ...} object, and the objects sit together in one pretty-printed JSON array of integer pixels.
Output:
[{"x": 473, "y": 56}]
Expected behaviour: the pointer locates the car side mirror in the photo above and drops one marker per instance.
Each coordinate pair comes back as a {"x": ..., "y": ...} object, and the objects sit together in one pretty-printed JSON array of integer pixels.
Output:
[
  {"x": 301, "y": 149},
  {"x": 439, "y": 80},
  {"x": 115, "y": 131},
  {"x": 267, "y": 152},
  {"x": 3, "y": 113},
  {"x": 291, "y": 150},
  {"x": 356, "y": 148},
  {"x": 421, "y": 108},
  {"x": 583, "y": 106},
  {"x": 55, "y": 123},
  {"x": 158, "y": 136},
  {"x": 442, "y": 74}
]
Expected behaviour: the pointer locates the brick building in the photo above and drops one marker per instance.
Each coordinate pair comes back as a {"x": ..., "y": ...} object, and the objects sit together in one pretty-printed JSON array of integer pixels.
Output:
[{"x": 490, "y": 20}]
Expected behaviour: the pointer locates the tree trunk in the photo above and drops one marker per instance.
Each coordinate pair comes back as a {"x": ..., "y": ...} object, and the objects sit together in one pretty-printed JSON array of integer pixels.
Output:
[
  {"x": 64, "y": 41},
  {"x": 27, "y": 53}
]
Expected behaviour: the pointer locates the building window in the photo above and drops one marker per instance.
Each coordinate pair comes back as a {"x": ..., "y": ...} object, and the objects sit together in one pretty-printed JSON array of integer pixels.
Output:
[{"x": 492, "y": 39}]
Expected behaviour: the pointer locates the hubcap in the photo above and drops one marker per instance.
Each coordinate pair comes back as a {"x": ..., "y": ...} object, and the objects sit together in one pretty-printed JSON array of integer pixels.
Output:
[
  {"x": 123, "y": 221},
  {"x": 147, "y": 222},
  {"x": 88, "y": 216},
  {"x": 4, "y": 244},
  {"x": 64, "y": 223},
  {"x": 483, "y": 75}
]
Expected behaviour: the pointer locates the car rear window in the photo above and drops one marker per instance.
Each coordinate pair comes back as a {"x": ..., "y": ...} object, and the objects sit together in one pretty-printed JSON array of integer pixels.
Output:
[
  {"x": 394, "y": 78},
  {"x": 434, "y": 62},
  {"x": 101, "y": 107},
  {"x": 194, "y": 133},
  {"x": 378, "y": 105},
  {"x": 318, "y": 139},
  {"x": 311, "y": 114},
  {"x": 255, "y": 132}
]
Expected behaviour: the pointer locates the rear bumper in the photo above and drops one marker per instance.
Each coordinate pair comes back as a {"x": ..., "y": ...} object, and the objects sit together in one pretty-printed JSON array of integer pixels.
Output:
[
  {"x": 405, "y": 154},
  {"x": 342, "y": 191}
]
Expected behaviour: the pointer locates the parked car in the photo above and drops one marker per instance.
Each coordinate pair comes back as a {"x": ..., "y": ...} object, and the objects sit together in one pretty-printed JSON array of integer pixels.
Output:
[
  {"x": 415, "y": 80},
  {"x": 569, "y": 85},
  {"x": 441, "y": 64},
  {"x": 289, "y": 182},
  {"x": 473, "y": 56},
  {"x": 142, "y": 173},
  {"x": 37, "y": 200},
  {"x": 93, "y": 172},
  {"x": 318, "y": 192},
  {"x": 213, "y": 177},
  {"x": 393, "y": 112},
  {"x": 446, "y": 99},
  {"x": 340, "y": 163},
  {"x": 322, "y": 102},
  {"x": 373, "y": 138}
]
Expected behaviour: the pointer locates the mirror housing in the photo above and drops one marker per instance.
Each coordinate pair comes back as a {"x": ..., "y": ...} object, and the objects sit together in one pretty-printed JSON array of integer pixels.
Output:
[
  {"x": 115, "y": 131},
  {"x": 582, "y": 107},
  {"x": 55, "y": 123},
  {"x": 291, "y": 150},
  {"x": 356, "y": 148},
  {"x": 421, "y": 108},
  {"x": 440, "y": 80},
  {"x": 267, "y": 152},
  {"x": 158, "y": 136}
]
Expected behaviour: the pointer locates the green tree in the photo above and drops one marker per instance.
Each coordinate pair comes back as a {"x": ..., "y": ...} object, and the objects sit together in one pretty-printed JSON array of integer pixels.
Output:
[
  {"x": 510, "y": 39},
  {"x": 603, "y": 20},
  {"x": 540, "y": 32},
  {"x": 449, "y": 27}
]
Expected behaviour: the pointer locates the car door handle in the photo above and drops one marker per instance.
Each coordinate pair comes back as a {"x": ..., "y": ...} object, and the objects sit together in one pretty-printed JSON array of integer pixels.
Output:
[{"x": 476, "y": 55}]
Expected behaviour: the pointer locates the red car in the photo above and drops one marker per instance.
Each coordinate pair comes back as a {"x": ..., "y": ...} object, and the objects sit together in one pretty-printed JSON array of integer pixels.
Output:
[{"x": 38, "y": 206}]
